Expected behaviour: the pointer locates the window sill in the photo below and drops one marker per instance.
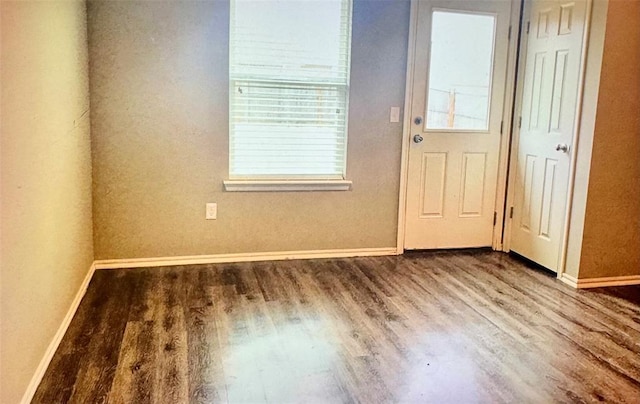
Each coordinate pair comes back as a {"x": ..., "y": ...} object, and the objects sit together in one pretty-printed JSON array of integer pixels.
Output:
[{"x": 286, "y": 185}]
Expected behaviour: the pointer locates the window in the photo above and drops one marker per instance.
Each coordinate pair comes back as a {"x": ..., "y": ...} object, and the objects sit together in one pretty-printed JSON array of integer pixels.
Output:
[
  {"x": 289, "y": 87},
  {"x": 460, "y": 71}
]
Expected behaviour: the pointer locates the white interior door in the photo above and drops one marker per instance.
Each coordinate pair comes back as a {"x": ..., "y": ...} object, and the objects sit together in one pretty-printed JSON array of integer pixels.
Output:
[
  {"x": 549, "y": 101},
  {"x": 459, "y": 74}
]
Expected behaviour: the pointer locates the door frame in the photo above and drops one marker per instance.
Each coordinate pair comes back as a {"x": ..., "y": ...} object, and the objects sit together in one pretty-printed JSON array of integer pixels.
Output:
[
  {"x": 505, "y": 140},
  {"x": 510, "y": 195}
]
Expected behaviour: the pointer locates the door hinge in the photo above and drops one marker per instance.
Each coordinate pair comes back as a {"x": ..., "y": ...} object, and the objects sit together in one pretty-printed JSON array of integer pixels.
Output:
[
  {"x": 509, "y": 35},
  {"x": 519, "y": 122},
  {"x": 495, "y": 218},
  {"x": 511, "y": 213},
  {"x": 528, "y": 26},
  {"x": 501, "y": 126}
]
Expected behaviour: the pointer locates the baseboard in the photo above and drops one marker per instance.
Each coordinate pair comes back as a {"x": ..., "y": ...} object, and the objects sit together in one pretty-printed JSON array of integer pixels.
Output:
[
  {"x": 608, "y": 281},
  {"x": 57, "y": 338},
  {"x": 600, "y": 282},
  {"x": 242, "y": 257},
  {"x": 569, "y": 280}
]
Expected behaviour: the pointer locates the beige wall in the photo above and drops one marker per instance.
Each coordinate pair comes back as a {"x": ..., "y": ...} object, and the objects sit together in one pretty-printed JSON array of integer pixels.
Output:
[
  {"x": 611, "y": 243},
  {"x": 159, "y": 95},
  {"x": 159, "y": 118},
  {"x": 45, "y": 177}
]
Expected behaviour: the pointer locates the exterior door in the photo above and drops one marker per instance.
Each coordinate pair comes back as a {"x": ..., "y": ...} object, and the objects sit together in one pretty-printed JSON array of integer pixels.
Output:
[
  {"x": 550, "y": 95},
  {"x": 459, "y": 73}
]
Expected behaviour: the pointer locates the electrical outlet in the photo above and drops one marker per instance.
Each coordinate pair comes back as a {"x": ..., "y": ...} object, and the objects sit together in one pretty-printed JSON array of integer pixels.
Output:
[{"x": 212, "y": 211}]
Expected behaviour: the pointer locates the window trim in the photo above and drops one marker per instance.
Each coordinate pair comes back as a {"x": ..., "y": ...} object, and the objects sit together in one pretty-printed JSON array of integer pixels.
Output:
[{"x": 284, "y": 185}]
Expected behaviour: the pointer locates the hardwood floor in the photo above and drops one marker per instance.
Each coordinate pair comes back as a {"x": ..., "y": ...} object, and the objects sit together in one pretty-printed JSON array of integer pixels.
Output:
[{"x": 457, "y": 327}]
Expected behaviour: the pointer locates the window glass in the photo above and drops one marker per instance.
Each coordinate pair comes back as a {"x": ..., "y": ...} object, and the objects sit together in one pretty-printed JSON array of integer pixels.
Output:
[
  {"x": 460, "y": 71},
  {"x": 289, "y": 85}
]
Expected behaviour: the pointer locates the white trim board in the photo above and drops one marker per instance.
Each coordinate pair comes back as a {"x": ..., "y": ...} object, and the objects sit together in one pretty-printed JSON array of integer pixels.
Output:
[
  {"x": 406, "y": 127},
  {"x": 286, "y": 185},
  {"x": 57, "y": 338},
  {"x": 569, "y": 280},
  {"x": 588, "y": 283},
  {"x": 241, "y": 257}
]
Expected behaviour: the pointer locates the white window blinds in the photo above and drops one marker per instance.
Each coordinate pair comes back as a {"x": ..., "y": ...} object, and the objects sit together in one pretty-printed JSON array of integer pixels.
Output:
[{"x": 289, "y": 86}]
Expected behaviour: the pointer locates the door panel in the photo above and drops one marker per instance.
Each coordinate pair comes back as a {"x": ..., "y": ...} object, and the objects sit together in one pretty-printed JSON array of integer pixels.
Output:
[
  {"x": 472, "y": 188},
  {"x": 458, "y": 91},
  {"x": 434, "y": 173},
  {"x": 553, "y": 55}
]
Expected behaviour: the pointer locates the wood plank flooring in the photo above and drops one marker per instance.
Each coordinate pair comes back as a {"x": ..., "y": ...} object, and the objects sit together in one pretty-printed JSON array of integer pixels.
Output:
[{"x": 443, "y": 327}]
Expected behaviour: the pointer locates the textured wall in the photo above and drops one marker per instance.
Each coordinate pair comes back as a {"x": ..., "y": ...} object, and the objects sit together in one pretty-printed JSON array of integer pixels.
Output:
[
  {"x": 159, "y": 97},
  {"x": 611, "y": 244},
  {"x": 45, "y": 177}
]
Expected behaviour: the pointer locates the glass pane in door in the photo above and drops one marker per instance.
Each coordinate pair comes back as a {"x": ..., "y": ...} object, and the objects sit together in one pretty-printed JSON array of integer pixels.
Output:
[{"x": 460, "y": 71}]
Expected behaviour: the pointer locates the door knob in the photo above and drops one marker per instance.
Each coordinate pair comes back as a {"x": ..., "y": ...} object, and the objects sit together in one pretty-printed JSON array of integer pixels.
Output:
[
  {"x": 561, "y": 147},
  {"x": 418, "y": 138}
]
